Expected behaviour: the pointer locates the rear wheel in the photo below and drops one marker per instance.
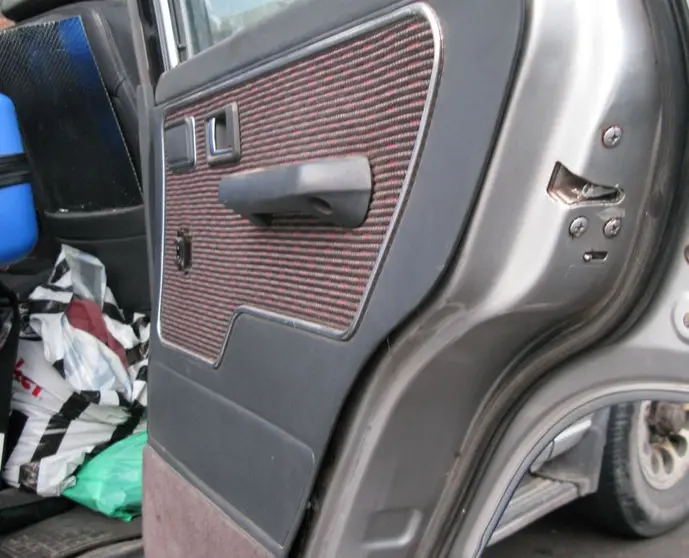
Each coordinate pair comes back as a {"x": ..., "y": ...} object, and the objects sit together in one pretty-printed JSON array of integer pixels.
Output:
[{"x": 644, "y": 485}]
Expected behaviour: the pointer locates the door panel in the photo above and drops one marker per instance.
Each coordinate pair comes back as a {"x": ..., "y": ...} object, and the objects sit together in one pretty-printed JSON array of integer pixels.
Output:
[
  {"x": 260, "y": 340},
  {"x": 368, "y": 95},
  {"x": 195, "y": 529}
]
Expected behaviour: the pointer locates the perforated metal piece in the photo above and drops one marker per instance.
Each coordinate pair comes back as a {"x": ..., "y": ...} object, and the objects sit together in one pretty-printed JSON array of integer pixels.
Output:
[
  {"x": 365, "y": 96},
  {"x": 70, "y": 130}
]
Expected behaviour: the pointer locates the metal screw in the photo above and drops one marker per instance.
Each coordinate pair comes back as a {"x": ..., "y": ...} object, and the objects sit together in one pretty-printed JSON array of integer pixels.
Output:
[
  {"x": 578, "y": 226},
  {"x": 613, "y": 227},
  {"x": 612, "y": 136}
]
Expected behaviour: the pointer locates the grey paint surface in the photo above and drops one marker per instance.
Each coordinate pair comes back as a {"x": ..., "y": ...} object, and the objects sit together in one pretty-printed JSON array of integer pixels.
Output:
[
  {"x": 647, "y": 357},
  {"x": 521, "y": 275}
]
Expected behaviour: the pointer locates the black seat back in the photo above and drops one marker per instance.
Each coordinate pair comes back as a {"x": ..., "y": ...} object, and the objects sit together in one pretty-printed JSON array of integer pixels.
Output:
[
  {"x": 72, "y": 76},
  {"x": 20, "y": 10}
]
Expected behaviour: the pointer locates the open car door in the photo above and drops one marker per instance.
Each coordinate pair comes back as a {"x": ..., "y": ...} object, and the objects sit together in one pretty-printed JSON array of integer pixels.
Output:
[{"x": 365, "y": 216}]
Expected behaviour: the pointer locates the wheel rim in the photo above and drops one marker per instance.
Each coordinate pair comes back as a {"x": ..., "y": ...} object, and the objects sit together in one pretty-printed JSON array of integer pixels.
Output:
[{"x": 664, "y": 457}]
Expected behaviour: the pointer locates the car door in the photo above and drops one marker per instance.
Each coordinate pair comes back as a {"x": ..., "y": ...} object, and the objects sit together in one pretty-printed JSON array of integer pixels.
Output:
[{"x": 367, "y": 205}]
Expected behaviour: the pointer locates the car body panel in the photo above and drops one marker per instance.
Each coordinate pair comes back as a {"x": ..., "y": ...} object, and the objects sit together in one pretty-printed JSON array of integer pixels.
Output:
[
  {"x": 277, "y": 391},
  {"x": 476, "y": 268}
]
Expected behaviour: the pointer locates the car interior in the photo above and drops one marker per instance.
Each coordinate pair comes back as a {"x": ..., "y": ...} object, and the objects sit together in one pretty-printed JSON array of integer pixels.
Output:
[
  {"x": 98, "y": 206},
  {"x": 332, "y": 215},
  {"x": 80, "y": 129}
]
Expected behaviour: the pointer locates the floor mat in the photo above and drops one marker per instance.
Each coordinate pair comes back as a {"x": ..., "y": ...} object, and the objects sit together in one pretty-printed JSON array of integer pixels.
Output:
[
  {"x": 68, "y": 535},
  {"x": 20, "y": 509},
  {"x": 129, "y": 549}
]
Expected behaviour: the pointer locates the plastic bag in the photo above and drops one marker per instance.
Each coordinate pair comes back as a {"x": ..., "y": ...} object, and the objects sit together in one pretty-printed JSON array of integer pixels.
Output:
[
  {"x": 80, "y": 381},
  {"x": 110, "y": 483},
  {"x": 83, "y": 329}
]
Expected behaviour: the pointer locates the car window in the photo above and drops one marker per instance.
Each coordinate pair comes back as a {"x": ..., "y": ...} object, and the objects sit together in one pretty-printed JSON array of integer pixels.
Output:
[{"x": 206, "y": 22}]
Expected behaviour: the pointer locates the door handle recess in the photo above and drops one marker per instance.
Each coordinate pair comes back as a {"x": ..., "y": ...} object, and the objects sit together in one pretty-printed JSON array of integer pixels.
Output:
[
  {"x": 335, "y": 190},
  {"x": 223, "y": 142}
]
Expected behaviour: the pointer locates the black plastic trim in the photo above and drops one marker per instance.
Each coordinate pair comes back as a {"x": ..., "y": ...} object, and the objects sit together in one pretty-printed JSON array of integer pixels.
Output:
[
  {"x": 336, "y": 190},
  {"x": 96, "y": 225},
  {"x": 118, "y": 239},
  {"x": 180, "y": 145},
  {"x": 14, "y": 170}
]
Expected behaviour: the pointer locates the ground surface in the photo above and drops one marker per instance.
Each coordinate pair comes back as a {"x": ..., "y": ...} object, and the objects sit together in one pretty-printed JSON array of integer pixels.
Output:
[{"x": 565, "y": 535}]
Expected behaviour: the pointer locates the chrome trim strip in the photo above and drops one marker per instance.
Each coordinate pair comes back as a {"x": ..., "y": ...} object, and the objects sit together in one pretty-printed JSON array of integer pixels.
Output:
[
  {"x": 563, "y": 442},
  {"x": 532, "y": 501},
  {"x": 233, "y": 153},
  {"x": 165, "y": 26},
  {"x": 346, "y": 35},
  {"x": 570, "y": 437},
  {"x": 211, "y": 140}
]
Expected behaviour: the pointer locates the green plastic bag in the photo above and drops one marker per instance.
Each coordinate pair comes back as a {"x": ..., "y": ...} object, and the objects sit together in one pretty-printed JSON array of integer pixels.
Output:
[{"x": 110, "y": 483}]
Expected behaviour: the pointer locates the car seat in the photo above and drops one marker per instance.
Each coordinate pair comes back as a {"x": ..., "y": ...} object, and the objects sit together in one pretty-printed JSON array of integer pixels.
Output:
[{"x": 77, "y": 111}]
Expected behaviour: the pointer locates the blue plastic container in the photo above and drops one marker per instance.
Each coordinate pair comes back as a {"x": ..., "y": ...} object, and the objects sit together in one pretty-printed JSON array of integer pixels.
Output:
[{"x": 18, "y": 226}]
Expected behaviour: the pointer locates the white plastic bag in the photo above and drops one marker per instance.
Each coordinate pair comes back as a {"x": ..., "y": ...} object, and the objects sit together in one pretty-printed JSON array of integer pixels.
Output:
[{"x": 80, "y": 382}]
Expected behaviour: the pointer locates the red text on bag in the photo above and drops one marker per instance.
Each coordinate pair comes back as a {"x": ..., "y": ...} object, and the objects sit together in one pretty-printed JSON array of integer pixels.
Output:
[{"x": 26, "y": 383}]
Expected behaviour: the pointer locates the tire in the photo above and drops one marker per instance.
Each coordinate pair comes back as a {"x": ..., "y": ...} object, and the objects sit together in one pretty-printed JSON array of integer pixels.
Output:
[{"x": 625, "y": 503}]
